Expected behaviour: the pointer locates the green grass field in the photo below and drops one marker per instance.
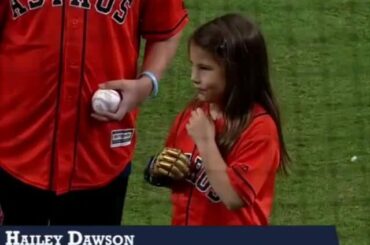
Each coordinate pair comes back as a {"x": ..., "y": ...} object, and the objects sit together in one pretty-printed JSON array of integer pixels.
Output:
[{"x": 320, "y": 64}]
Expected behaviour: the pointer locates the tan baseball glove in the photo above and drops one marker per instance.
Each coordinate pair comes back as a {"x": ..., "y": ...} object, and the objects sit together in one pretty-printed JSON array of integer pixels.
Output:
[{"x": 172, "y": 163}]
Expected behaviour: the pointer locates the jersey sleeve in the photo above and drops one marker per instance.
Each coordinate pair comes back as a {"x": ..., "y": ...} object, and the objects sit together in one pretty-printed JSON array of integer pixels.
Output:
[
  {"x": 256, "y": 161},
  {"x": 161, "y": 19}
]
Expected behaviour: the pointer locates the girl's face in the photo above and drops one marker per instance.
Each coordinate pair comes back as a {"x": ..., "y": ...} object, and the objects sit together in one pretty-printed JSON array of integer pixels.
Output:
[{"x": 207, "y": 75}]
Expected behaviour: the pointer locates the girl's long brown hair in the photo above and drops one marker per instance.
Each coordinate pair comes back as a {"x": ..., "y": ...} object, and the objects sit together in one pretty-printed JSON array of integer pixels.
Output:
[{"x": 237, "y": 43}]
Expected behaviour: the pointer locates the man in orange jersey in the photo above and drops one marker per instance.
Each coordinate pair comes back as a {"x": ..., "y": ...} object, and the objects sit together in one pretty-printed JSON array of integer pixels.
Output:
[{"x": 59, "y": 162}]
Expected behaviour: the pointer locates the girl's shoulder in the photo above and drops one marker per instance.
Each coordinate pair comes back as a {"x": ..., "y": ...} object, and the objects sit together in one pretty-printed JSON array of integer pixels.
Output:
[
  {"x": 260, "y": 135},
  {"x": 261, "y": 124}
]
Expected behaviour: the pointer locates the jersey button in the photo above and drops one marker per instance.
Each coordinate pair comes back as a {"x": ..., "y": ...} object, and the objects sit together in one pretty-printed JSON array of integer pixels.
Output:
[
  {"x": 75, "y": 23},
  {"x": 73, "y": 65}
]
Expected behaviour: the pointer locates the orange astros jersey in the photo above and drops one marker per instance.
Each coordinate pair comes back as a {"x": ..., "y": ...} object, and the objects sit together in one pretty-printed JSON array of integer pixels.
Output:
[
  {"x": 252, "y": 166},
  {"x": 53, "y": 55}
]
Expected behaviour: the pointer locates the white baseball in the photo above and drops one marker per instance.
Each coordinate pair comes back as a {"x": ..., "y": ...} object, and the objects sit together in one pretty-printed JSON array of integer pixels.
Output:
[{"x": 105, "y": 100}]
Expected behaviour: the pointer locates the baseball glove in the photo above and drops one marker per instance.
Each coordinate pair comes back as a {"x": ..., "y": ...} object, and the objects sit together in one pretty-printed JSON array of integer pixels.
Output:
[
  {"x": 173, "y": 163},
  {"x": 168, "y": 166}
]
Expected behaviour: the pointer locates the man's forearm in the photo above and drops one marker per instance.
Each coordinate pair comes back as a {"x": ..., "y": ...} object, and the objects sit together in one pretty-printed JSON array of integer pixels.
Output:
[{"x": 158, "y": 54}]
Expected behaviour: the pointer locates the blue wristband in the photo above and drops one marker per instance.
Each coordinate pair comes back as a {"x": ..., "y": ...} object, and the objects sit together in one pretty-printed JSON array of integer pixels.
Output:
[{"x": 154, "y": 81}]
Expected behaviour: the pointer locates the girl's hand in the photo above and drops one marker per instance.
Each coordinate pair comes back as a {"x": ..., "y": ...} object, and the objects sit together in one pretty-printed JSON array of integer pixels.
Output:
[{"x": 201, "y": 128}]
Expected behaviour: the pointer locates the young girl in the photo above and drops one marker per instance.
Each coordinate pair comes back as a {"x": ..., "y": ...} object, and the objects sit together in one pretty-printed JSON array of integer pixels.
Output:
[{"x": 230, "y": 133}]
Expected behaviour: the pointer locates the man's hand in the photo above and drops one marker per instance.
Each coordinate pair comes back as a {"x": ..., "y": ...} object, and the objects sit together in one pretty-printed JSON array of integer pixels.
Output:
[{"x": 133, "y": 92}]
